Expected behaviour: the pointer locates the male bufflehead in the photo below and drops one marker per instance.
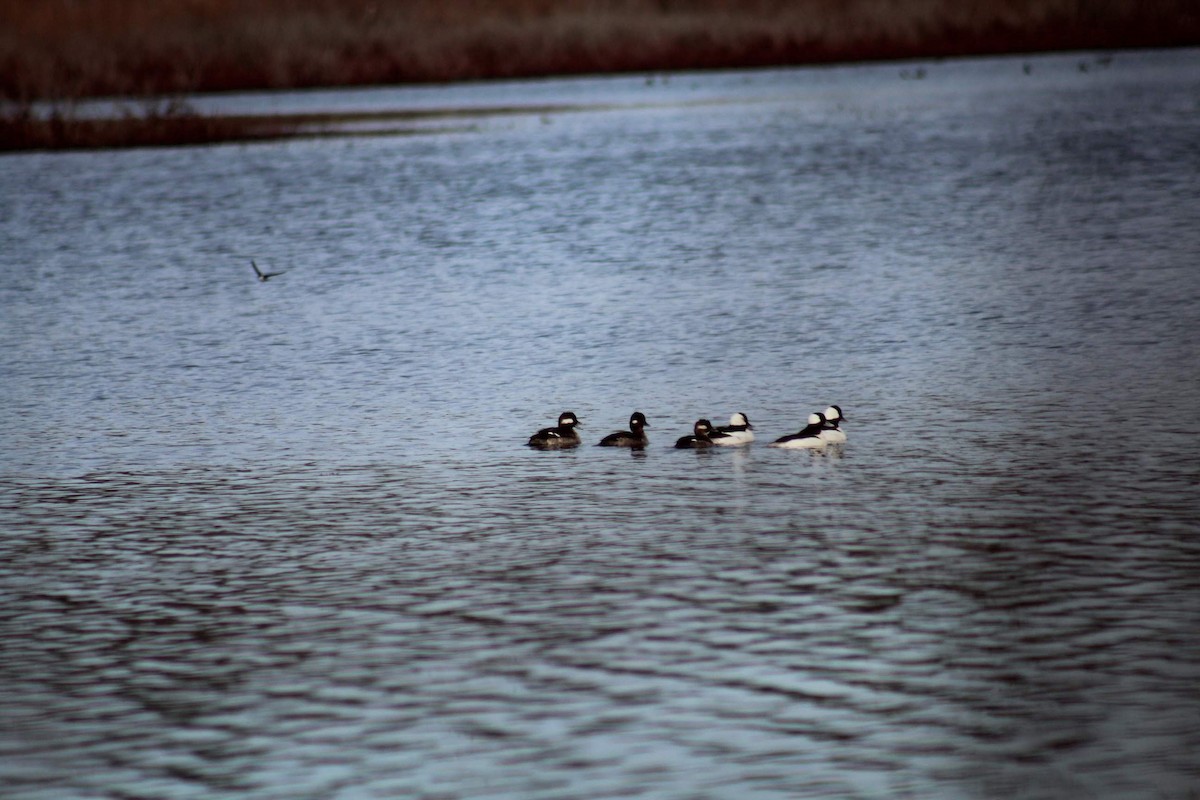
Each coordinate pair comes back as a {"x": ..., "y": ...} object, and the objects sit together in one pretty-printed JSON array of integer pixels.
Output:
[
  {"x": 738, "y": 431},
  {"x": 808, "y": 436},
  {"x": 560, "y": 437},
  {"x": 265, "y": 276},
  {"x": 635, "y": 437},
  {"x": 833, "y": 419},
  {"x": 700, "y": 436}
]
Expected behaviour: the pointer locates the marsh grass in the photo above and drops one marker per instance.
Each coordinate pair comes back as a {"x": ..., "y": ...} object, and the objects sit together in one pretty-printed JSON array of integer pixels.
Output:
[
  {"x": 174, "y": 123},
  {"x": 59, "y": 51},
  {"x": 21, "y": 129}
]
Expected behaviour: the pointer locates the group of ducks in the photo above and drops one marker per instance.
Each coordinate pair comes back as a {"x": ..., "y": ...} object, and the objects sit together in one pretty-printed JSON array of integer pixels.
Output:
[{"x": 823, "y": 428}]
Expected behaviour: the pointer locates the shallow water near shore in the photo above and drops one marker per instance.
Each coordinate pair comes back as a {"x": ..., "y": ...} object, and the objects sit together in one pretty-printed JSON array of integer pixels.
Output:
[{"x": 284, "y": 539}]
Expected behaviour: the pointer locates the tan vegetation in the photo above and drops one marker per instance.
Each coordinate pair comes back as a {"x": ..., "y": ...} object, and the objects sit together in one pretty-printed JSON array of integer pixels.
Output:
[{"x": 61, "y": 50}]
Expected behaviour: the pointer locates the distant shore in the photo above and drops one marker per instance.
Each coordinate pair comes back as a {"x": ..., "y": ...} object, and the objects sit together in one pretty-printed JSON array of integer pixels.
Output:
[{"x": 59, "y": 52}]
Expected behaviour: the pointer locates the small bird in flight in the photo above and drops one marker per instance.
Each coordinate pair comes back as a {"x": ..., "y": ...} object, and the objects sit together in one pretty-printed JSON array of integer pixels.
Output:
[{"x": 265, "y": 276}]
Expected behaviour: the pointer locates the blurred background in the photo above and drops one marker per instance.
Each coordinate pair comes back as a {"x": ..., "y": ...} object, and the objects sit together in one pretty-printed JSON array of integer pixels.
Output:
[{"x": 63, "y": 49}]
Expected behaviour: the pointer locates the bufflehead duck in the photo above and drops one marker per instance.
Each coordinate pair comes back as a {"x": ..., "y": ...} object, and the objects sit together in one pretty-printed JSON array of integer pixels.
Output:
[
  {"x": 738, "y": 431},
  {"x": 808, "y": 436},
  {"x": 833, "y": 418},
  {"x": 265, "y": 276},
  {"x": 700, "y": 437},
  {"x": 635, "y": 437},
  {"x": 559, "y": 437}
]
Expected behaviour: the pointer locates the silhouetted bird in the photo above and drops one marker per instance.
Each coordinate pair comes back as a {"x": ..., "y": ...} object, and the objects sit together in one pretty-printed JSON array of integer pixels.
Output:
[
  {"x": 560, "y": 437},
  {"x": 265, "y": 276},
  {"x": 635, "y": 437}
]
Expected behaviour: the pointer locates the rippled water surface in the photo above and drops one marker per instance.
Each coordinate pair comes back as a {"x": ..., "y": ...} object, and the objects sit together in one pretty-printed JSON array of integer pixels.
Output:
[{"x": 284, "y": 540}]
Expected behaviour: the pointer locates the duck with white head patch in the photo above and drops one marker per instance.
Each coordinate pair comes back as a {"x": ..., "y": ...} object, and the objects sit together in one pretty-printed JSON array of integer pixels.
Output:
[
  {"x": 738, "y": 431},
  {"x": 635, "y": 437},
  {"x": 807, "y": 437},
  {"x": 559, "y": 437},
  {"x": 833, "y": 432},
  {"x": 700, "y": 438}
]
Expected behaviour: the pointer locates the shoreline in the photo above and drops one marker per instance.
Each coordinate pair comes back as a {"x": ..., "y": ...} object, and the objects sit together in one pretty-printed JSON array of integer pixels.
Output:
[
  {"x": 58, "y": 54},
  {"x": 174, "y": 122},
  {"x": 168, "y": 122}
]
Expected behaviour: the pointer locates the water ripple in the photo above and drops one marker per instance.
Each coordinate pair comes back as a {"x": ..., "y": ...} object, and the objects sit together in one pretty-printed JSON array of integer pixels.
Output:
[{"x": 286, "y": 540}]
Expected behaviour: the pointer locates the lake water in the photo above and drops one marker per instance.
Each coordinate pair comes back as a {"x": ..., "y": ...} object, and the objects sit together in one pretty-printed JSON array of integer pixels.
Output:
[{"x": 284, "y": 539}]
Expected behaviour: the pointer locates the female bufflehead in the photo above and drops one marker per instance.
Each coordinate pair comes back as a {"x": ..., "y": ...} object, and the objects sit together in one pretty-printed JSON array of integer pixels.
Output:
[
  {"x": 557, "y": 438},
  {"x": 635, "y": 437},
  {"x": 833, "y": 418},
  {"x": 738, "y": 431},
  {"x": 808, "y": 436},
  {"x": 700, "y": 436}
]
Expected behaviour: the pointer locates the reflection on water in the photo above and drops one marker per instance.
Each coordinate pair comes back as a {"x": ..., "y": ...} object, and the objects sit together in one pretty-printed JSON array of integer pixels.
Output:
[{"x": 285, "y": 539}]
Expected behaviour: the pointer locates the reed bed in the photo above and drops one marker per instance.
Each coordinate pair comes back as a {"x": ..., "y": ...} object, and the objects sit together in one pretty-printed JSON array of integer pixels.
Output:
[
  {"x": 64, "y": 50},
  {"x": 143, "y": 127}
]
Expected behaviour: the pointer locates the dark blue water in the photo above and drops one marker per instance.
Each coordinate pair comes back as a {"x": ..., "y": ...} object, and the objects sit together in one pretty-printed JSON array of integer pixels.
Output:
[{"x": 283, "y": 539}]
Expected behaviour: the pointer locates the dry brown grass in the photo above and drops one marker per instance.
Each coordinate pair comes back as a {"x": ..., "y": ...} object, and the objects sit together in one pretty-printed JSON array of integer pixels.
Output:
[
  {"x": 62, "y": 50},
  {"x": 147, "y": 127},
  {"x": 72, "y": 48}
]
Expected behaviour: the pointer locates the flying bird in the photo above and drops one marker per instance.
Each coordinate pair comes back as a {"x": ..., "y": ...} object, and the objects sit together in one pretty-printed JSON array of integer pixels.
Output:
[{"x": 265, "y": 276}]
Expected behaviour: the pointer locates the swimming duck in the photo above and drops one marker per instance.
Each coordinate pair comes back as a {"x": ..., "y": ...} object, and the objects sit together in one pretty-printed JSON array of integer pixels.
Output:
[
  {"x": 635, "y": 437},
  {"x": 808, "y": 436},
  {"x": 738, "y": 431},
  {"x": 559, "y": 437},
  {"x": 699, "y": 438},
  {"x": 833, "y": 419}
]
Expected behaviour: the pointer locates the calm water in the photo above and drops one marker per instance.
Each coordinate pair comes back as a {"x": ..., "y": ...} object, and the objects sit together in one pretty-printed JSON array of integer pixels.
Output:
[{"x": 283, "y": 540}]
